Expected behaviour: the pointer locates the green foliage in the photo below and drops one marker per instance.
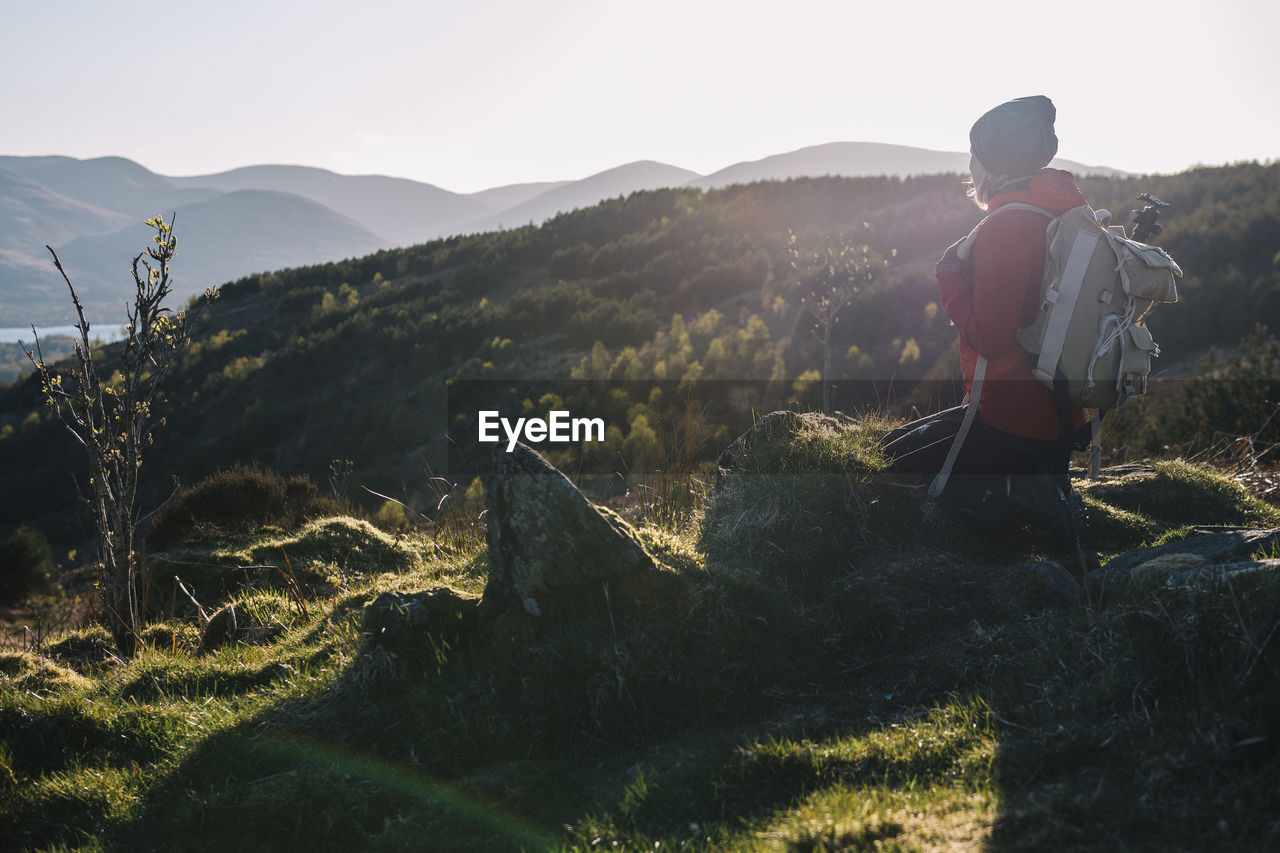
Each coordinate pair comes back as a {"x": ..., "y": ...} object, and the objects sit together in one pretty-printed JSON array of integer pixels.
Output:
[
  {"x": 673, "y": 285},
  {"x": 26, "y": 564},
  {"x": 392, "y": 518},
  {"x": 14, "y": 363},
  {"x": 1227, "y": 406},
  {"x": 300, "y": 300},
  {"x": 1170, "y": 684},
  {"x": 38, "y": 674},
  {"x": 1181, "y": 494},
  {"x": 1238, "y": 396},
  {"x": 112, "y": 417},
  {"x": 1160, "y": 502},
  {"x": 330, "y": 546},
  {"x": 240, "y": 500},
  {"x": 920, "y": 697}
]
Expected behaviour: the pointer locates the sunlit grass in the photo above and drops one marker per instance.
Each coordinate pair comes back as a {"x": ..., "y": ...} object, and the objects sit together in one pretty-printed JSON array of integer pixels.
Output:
[{"x": 913, "y": 694}]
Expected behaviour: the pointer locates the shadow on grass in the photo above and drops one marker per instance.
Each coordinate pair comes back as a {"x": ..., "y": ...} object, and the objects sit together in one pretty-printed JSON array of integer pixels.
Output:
[
  {"x": 684, "y": 710},
  {"x": 903, "y": 693},
  {"x": 1086, "y": 729},
  {"x": 1152, "y": 723},
  {"x": 264, "y": 788}
]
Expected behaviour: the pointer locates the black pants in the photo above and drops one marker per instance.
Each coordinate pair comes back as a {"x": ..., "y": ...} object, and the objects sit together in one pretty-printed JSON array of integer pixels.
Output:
[
  {"x": 921, "y": 447},
  {"x": 993, "y": 471}
]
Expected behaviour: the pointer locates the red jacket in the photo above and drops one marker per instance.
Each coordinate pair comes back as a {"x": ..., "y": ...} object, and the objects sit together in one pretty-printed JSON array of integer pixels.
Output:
[{"x": 1001, "y": 297}]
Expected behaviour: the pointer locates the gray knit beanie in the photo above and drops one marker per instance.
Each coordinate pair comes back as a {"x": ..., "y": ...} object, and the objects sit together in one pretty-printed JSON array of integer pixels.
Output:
[{"x": 1016, "y": 138}]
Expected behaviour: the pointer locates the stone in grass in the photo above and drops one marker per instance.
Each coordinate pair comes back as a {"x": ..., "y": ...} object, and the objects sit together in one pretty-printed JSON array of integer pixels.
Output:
[
  {"x": 223, "y": 629},
  {"x": 1205, "y": 544},
  {"x": 396, "y": 617},
  {"x": 1061, "y": 589},
  {"x": 772, "y": 427},
  {"x": 773, "y": 431},
  {"x": 545, "y": 537},
  {"x": 1191, "y": 570},
  {"x": 230, "y": 625}
]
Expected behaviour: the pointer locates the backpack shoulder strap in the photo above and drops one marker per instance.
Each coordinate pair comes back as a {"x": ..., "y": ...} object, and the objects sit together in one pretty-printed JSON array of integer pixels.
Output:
[
  {"x": 967, "y": 246},
  {"x": 1022, "y": 205},
  {"x": 971, "y": 410}
]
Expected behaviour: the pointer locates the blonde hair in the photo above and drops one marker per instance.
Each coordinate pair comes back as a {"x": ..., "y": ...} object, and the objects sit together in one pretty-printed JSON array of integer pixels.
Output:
[{"x": 982, "y": 185}]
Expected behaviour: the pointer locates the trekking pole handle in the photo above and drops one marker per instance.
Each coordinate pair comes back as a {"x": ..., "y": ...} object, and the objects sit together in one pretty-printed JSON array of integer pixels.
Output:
[{"x": 1145, "y": 225}]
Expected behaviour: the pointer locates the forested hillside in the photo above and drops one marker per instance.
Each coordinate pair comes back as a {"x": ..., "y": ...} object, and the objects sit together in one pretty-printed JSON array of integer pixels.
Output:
[
  {"x": 259, "y": 218},
  {"x": 806, "y": 656},
  {"x": 376, "y": 360}
]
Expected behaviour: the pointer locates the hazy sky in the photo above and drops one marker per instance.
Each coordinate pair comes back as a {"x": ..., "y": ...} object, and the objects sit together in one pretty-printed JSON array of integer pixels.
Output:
[{"x": 469, "y": 94}]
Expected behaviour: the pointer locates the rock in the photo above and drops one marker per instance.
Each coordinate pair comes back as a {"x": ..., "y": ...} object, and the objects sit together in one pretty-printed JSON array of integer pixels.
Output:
[
  {"x": 1188, "y": 570},
  {"x": 776, "y": 427},
  {"x": 1117, "y": 472},
  {"x": 394, "y": 617},
  {"x": 222, "y": 630},
  {"x": 1156, "y": 571},
  {"x": 1061, "y": 588},
  {"x": 1209, "y": 544},
  {"x": 545, "y": 536},
  {"x": 230, "y": 625},
  {"x": 772, "y": 426}
]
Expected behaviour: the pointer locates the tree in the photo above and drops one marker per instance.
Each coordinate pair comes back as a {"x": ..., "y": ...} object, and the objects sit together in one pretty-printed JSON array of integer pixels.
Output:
[
  {"x": 113, "y": 419},
  {"x": 828, "y": 279},
  {"x": 26, "y": 564}
]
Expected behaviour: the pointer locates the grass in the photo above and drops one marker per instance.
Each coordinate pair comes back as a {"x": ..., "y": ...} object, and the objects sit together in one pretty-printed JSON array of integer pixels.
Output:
[{"x": 824, "y": 666}]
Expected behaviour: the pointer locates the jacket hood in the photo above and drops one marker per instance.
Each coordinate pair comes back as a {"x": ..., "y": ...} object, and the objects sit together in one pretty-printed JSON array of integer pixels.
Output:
[{"x": 1052, "y": 189}]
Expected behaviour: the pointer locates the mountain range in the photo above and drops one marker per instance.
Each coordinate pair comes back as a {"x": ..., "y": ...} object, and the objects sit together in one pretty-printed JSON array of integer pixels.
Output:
[{"x": 268, "y": 217}]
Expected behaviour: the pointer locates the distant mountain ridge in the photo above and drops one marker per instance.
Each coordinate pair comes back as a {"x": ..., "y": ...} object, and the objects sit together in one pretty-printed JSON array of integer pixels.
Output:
[
  {"x": 623, "y": 180},
  {"x": 860, "y": 159},
  {"x": 400, "y": 210},
  {"x": 265, "y": 217},
  {"x": 223, "y": 237}
]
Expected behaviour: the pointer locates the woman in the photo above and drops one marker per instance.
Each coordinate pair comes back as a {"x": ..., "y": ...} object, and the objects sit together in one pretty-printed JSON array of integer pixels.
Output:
[{"x": 1012, "y": 459}]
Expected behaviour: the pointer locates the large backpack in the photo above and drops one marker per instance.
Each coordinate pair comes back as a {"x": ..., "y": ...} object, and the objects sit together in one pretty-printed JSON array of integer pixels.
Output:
[
  {"x": 1098, "y": 287},
  {"x": 1088, "y": 342}
]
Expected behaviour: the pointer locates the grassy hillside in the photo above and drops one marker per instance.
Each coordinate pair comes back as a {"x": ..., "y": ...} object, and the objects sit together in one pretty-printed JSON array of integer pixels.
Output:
[
  {"x": 360, "y": 360},
  {"x": 14, "y": 363},
  {"x": 782, "y": 683},
  {"x": 821, "y": 663}
]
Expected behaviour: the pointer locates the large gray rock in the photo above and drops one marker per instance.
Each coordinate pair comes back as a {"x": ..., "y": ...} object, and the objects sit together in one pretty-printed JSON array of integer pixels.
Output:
[
  {"x": 1206, "y": 575},
  {"x": 1206, "y": 544},
  {"x": 545, "y": 537}
]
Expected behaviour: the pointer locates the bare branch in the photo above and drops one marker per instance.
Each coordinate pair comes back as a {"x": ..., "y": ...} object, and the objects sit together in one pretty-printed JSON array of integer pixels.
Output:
[
  {"x": 177, "y": 487},
  {"x": 394, "y": 501},
  {"x": 83, "y": 324},
  {"x": 113, "y": 422}
]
